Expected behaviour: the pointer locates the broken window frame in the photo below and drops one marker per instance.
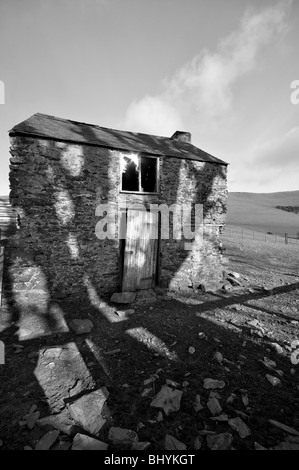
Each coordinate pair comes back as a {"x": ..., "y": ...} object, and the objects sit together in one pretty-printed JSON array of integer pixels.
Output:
[{"x": 139, "y": 156}]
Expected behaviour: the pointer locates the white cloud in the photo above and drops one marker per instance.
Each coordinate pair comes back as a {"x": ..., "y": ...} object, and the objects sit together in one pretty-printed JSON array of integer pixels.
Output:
[
  {"x": 279, "y": 151},
  {"x": 200, "y": 94},
  {"x": 153, "y": 115}
]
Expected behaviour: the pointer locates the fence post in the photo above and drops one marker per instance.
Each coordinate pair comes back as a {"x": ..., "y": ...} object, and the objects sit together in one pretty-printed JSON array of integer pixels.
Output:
[{"x": 286, "y": 238}]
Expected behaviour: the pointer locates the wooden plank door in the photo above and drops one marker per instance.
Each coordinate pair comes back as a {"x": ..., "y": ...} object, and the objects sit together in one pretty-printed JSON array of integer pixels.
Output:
[{"x": 140, "y": 257}]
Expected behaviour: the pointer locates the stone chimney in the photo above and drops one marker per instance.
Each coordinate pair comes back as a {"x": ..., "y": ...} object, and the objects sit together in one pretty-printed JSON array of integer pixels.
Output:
[{"x": 182, "y": 136}]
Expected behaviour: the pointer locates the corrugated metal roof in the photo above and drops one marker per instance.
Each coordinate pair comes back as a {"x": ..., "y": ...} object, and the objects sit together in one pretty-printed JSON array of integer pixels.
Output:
[{"x": 42, "y": 125}]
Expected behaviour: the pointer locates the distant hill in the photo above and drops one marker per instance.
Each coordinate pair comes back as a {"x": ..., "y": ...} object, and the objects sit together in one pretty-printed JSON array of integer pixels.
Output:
[{"x": 258, "y": 211}]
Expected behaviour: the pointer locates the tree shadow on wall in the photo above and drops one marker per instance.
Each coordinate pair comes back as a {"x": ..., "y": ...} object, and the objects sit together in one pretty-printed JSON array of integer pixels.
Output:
[{"x": 57, "y": 234}]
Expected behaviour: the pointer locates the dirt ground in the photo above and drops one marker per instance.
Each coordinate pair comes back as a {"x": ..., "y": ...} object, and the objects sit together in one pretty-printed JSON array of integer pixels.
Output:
[{"x": 141, "y": 349}]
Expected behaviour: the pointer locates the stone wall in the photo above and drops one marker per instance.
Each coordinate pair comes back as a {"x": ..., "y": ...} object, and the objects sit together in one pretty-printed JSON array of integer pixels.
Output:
[{"x": 56, "y": 187}]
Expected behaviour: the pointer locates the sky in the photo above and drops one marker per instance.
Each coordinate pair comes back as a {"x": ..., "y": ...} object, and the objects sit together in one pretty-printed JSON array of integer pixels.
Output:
[{"x": 220, "y": 69}]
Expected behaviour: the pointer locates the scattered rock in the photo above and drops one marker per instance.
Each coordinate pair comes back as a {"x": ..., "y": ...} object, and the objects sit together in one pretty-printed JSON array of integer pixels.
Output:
[
  {"x": 81, "y": 326},
  {"x": 295, "y": 357},
  {"x": 140, "y": 445},
  {"x": 259, "y": 447},
  {"x": 234, "y": 281},
  {"x": 269, "y": 364},
  {"x": 197, "y": 443},
  {"x": 171, "y": 443},
  {"x": 47, "y": 440},
  {"x": 273, "y": 380},
  {"x": 112, "y": 352},
  {"x": 172, "y": 383},
  {"x": 197, "y": 405},
  {"x": 146, "y": 392},
  {"x": 286, "y": 446},
  {"x": 52, "y": 352},
  {"x": 214, "y": 406},
  {"x": 234, "y": 275},
  {"x": 218, "y": 357},
  {"x": 82, "y": 442},
  {"x": 253, "y": 323},
  {"x": 277, "y": 348},
  {"x": 122, "y": 436},
  {"x": 284, "y": 427},
  {"x": 214, "y": 395},
  {"x": 245, "y": 399},
  {"x": 293, "y": 439},
  {"x": 222, "y": 417},
  {"x": 191, "y": 350},
  {"x": 159, "y": 417},
  {"x": 123, "y": 297},
  {"x": 167, "y": 399},
  {"x": 213, "y": 383},
  {"x": 124, "y": 313},
  {"x": 202, "y": 335},
  {"x": 185, "y": 384},
  {"x": 220, "y": 441},
  {"x": 292, "y": 371},
  {"x": 238, "y": 425},
  {"x": 206, "y": 432},
  {"x": 32, "y": 417},
  {"x": 231, "y": 398},
  {"x": 88, "y": 410},
  {"x": 59, "y": 421},
  {"x": 242, "y": 414}
]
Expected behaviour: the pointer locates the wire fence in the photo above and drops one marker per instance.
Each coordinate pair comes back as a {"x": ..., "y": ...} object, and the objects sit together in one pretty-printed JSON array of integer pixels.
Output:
[{"x": 236, "y": 232}]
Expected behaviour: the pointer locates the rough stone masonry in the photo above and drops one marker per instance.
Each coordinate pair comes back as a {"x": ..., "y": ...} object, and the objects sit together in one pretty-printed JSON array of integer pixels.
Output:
[{"x": 59, "y": 175}]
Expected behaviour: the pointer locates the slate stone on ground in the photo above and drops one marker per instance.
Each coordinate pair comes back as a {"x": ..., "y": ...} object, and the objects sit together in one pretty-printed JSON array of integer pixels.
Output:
[
  {"x": 32, "y": 417},
  {"x": 81, "y": 326},
  {"x": 213, "y": 383},
  {"x": 140, "y": 445},
  {"x": 171, "y": 443},
  {"x": 238, "y": 425},
  {"x": 214, "y": 406},
  {"x": 47, "y": 440},
  {"x": 122, "y": 436},
  {"x": 88, "y": 410},
  {"x": 198, "y": 442},
  {"x": 197, "y": 405},
  {"x": 70, "y": 373},
  {"x": 222, "y": 417},
  {"x": 284, "y": 427},
  {"x": 82, "y": 442},
  {"x": 167, "y": 399},
  {"x": 273, "y": 380},
  {"x": 221, "y": 441},
  {"x": 60, "y": 421},
  {"x": 286, "y": 446},
  {"x": 123, "y": 297}
]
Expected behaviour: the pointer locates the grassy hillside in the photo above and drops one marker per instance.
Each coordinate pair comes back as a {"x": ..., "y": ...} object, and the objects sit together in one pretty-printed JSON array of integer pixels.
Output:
[{"x": 256, "y": 211}]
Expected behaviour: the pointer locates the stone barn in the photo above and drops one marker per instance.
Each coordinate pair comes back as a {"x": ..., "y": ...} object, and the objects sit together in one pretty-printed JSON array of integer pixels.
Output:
[{"x": 92, "y": 205}]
